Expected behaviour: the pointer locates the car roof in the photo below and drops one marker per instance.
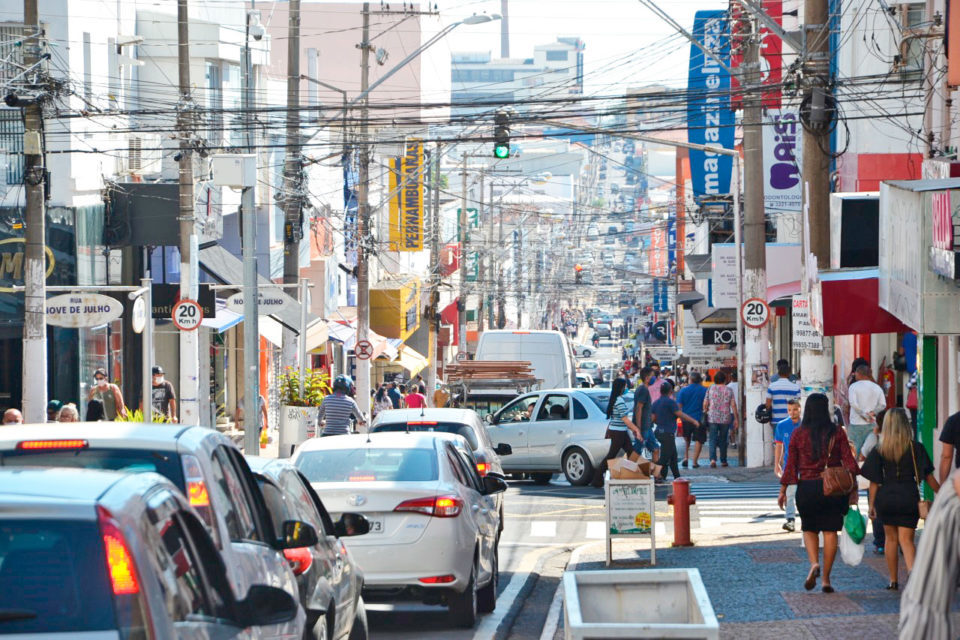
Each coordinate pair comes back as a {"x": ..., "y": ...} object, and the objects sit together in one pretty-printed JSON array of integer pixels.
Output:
[
  {"x": 68, "y": 484},
  {"x": 464, "y": 416},
  {"x": 259, "y": 464},
  {"x": 127, "y": 435},
  {"x": 382, "y": 440}
]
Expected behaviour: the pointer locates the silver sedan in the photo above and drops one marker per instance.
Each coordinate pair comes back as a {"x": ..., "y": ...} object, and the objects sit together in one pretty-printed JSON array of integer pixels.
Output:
[{"x": 558, "y": 430}]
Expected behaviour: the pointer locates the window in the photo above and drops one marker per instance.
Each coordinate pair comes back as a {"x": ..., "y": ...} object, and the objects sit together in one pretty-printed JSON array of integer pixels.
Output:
[
  {"x": 912, "y": 17},
  {"x": 11, "y": 142},
  {"x": 468, "y": 466},
  {"x": 369, "y": 465},
  {"x": 304, "y": 503},
  {"x": 457, "y": 428},
  {"x": 519, "y": 410},
  {"x": 226, "y": 493},
  {"x": 579, "y": 411},
  {"x": 557, "y": 56},
  {"x": 455, "y": 466},
  {"x": 555, "y": 407},
  {"x": 276, "y": 504}
]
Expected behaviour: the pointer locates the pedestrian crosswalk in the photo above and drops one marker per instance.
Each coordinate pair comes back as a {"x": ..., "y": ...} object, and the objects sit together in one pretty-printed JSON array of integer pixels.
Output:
[{"x": 545, "y": 531}]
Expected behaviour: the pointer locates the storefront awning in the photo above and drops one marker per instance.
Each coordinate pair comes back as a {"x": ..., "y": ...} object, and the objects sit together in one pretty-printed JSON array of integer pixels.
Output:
[
  {"x": 783, "y": 293},
  {"x": 225, "y": 319},
  {"x": 347, "y": 335},
  {"x": 851, "y": 304},
  {"x": 272, "y": 330},
  {"x": 687, "y": 299},
  {"x": 705, "y": 314},
  {"x": 410, "y": 360}
]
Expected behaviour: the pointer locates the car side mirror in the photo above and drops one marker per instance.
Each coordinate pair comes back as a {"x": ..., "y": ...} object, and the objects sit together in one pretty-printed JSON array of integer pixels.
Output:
[
  {"x": 503, "y": 449},
  {"x": 296, "y": 533},
  {"x": 489, "y": 419},
  {"x": 494, "y": 483},
  {"x": 266, "y": 606},
  {"x": 351, "y": 524}
]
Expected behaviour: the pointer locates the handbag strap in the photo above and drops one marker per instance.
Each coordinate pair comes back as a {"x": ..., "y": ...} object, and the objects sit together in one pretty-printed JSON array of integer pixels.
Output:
[
  {"x": 826, "y": 461},
  {"x": 916, "y": 474}
]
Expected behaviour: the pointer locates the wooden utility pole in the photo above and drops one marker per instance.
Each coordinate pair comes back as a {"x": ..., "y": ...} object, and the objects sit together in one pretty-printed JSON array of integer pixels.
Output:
[
  {"x": 292, "y": 179},
  {"x": 756, "y": 341},
  {"x": 189, "y": 342},
  {"x": 35, "y": 266},
  {"x": 363, "y": 217}
]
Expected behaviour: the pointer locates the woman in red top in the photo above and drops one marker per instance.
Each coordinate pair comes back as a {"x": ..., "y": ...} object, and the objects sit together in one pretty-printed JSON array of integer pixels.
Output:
[
  {"x": 817, "y": 444},
  {"x": 416, "y": 399}
]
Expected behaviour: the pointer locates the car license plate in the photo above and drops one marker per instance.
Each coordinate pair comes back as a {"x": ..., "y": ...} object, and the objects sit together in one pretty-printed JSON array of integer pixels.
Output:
[{"x": 376, "y": 525}]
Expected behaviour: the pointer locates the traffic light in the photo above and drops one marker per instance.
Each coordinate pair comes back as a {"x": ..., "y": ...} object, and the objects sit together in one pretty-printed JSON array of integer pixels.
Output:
[
  {"x": 501, "y": 136},
  {"x": 579, "y": 273}
]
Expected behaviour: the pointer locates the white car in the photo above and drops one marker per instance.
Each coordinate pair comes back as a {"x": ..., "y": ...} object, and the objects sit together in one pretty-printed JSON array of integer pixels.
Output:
[
  {"x": 434, "y": 527},
  {"x": 582, "y": 350}
]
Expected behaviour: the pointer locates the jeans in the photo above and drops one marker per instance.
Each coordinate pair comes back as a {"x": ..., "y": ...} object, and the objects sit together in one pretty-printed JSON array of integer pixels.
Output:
[
  {"x": 791, "y": 501},
  {"x": 648, "y": 442},
  {"x": 718, "y": 437},
  {"x": 668, "y": 454},
  {"x": 858, "y": 433}
]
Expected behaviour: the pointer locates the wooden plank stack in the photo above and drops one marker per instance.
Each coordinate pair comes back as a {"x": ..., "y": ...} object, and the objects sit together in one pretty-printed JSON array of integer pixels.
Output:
[{"x": 478, "y": 370}]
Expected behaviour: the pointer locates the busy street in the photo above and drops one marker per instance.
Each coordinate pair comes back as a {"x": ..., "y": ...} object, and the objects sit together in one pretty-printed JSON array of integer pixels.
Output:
[{"x": 489, "y": 320}]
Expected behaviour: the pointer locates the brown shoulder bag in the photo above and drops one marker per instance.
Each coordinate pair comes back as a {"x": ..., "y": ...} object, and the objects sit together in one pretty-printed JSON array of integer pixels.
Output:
[{"x": 837, "y": 481}]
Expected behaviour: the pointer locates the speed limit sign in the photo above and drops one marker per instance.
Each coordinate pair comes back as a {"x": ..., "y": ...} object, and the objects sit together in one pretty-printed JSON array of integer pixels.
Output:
[
  {"x": 187, "y": 315},
  {"x": 755, "y": 313}
]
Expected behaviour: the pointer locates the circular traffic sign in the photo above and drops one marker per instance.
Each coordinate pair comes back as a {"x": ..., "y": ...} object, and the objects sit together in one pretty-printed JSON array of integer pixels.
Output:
[
  {"x": 363, "y": 350},
  {"x": 755, "y": 313},
  {"x": 462, "y": 356},
  {"x": 187, "y": 315},
  {"x": 138, "y": 319}
]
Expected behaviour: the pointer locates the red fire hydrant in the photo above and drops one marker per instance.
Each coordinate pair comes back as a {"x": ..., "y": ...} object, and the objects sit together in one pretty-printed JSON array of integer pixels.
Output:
[{"x": 681, "y": 501}]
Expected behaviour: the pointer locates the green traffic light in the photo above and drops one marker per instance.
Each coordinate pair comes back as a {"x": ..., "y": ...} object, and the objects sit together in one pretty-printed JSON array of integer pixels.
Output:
[{"x": 501, "y": 151}]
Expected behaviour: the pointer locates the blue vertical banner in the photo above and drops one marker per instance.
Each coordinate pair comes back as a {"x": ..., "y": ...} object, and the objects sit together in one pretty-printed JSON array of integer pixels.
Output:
[
  {"x": 672, "y": 245},
  {"x": 351, "y": 179},
  {"x": 709, "y": 116},
  {"x": 661, "y": 295}
]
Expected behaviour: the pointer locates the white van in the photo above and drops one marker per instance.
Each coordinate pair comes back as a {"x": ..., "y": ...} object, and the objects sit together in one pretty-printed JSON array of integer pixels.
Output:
[{"x": 548, "y": 352}]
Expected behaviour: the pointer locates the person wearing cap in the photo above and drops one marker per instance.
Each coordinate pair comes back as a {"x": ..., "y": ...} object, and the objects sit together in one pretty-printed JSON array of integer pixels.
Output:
[
  {"x": 53, "y": 408},
  {"x": 109, "y": 394},
  {"x": 163, "y": 399}
]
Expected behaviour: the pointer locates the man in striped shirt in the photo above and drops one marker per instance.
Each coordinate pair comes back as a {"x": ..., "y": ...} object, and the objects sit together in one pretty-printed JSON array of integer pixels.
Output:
[
  {"x": 338, "y": 408},
  {"x": 780, "y": 391}
]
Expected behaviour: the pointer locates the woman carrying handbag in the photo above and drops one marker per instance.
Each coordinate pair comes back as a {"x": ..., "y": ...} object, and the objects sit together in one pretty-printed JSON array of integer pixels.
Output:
[
  {"x": 820, "y": 463},
  {"x": 895, "y": 469}
]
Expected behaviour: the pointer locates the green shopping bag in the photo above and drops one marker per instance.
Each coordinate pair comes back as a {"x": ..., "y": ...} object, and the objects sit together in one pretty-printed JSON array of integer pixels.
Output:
[{"x": 855, "y": 524}]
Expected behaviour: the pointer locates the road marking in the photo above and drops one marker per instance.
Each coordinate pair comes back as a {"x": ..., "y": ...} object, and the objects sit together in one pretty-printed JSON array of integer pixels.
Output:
[
  {"x": 530, "y": 562},
  {"x": 597, "y": 530},
  {"x": 543, "y": 529},
  {"x": 544, "y": 514}
]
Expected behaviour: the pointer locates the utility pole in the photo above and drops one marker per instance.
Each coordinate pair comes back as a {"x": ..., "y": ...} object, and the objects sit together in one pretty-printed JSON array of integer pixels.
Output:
[
  {"x": 490, "y": 277},
  {"x": 816, "y": 367},
  {"x": 35, "y": 271},
  {"x": 433, "y": 352},
  {"x": 756, "y": 341},
  {"x": 464, "y": 232},
  {"x": 363, "y": 217},
  {"x": 292, "y": 179},
  {"x": 189, "y": 342},
  {"x": 251, "y": 329}
]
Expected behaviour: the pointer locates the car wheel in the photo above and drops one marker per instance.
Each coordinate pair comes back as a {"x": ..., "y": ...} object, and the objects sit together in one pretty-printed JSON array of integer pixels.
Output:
[
  {"x": 487, "y": 595},
  {"x": 587, "y": 353},
  {"x": 319, "y": 631},
  {"x": 360, "y": 631},
  {"x": 541, "y": 478},
  {"x": 577, "y": 467},
  {"x": 463, "y": 606}
]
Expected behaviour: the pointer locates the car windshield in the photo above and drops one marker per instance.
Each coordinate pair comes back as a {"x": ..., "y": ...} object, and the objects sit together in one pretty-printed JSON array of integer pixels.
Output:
[
  {"x": 53, "y": 578},
  {"x": 129, "y": 460},
  {"x": 369, "y": 465},
  {"x": 457, "y": 428},
  {"x": 601, "y": 397}
]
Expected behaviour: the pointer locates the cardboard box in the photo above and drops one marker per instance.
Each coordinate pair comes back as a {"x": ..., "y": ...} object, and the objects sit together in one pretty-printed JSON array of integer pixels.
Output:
[
  {"x": 626, "y": 469},
  {"x": 644, "y": 465}
]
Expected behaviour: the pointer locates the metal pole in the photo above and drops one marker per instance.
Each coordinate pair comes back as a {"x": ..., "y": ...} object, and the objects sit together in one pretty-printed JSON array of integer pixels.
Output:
[
  {"x": 363, "y": 218},
  {"x": 146, "y": 356},
  {"x": 462, "y": 223},
  {"x": 479, "y": 285},
  {"x": 490, "y": 277},
  {"x": 304, "y": 283},
  {"x": 35, "y": 295},
  {"x": 433, "y": 352},
  {"x": 741, "y": 368},
  {"x": 251, "y": 294},
  {"x": 189, "y": 340},
  {"x": 293, "y": 223}
]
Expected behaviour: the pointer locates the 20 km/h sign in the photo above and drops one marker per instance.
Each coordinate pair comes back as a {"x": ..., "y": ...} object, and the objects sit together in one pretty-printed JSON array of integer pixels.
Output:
[
  {"x": 755, "y": 313},
  {"x": 187, "y": 315}
]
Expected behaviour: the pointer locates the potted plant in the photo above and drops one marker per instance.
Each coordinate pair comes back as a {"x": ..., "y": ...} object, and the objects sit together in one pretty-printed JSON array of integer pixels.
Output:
[{"x": 298, "y": 411}]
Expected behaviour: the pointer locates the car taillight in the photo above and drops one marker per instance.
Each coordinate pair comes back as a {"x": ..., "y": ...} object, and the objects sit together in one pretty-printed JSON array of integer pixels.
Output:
[
  {"x": 300, "y": 559},
  {"x": 446, "y": 579},
  {"x": 132, "y": 609},
  {"x": 197, "y": 493},
  {"x": 483, "y": 468},
  {"x": 35, "y": 445},
  {"x": 438, "y": 507},
  {"x": 418, "y": 423}
]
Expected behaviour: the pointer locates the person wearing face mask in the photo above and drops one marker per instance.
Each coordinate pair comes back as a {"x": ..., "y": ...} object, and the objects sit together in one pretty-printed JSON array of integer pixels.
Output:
[
  {"x": 109, "y": 394},
  {"x": 163, "y": 398}
]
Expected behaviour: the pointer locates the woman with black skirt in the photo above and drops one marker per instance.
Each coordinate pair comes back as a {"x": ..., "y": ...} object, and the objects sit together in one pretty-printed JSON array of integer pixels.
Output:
[
  {"x": 815, "y": 445},
  {"x": 894, "y": 469}
]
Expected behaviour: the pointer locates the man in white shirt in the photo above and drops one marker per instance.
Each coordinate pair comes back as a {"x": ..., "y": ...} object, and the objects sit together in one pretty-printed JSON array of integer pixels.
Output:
[{"x": 866, "y": 401}]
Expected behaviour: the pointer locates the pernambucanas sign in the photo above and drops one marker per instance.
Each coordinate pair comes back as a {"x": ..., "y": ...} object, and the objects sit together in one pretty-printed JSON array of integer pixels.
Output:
[
  {"x": 76, "y": 310},
  {"x": 406, "y": 201}
]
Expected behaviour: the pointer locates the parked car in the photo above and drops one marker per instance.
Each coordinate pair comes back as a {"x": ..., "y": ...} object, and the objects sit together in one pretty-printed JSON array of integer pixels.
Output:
[
  {"x": 560, "y": 430},
  {"x": 203, "y": 463},
  {"x": 105, "y": 555},
  {"x": 603, "y": 329},
  {"x": 592, "y": 368},
  {"x": 582, "y": 350},
  {"x": 464, "y": 422},
  {"x": 328, "y": 578},
  {"x": 434, "y": 528}
]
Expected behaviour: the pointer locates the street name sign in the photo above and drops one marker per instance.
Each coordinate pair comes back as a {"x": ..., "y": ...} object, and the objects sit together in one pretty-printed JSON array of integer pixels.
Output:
[
  {"x": 269, "y": 302},
  {"x": 75, "y": 310}
]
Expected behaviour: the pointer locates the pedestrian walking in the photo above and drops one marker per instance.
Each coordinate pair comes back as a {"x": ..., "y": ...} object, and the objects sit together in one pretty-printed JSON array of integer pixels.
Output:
[
  {"x": 416, "y": 399},
  {"x": 815, "y": 446},
  {"x": 643, "y": 416},
  {"x": 68, "y": 413},
  {"x": 895, "y": 469},
  {"x": 879, "y": 537},
  {"x": 780, "y": 390},
  {"x": 690, "y": 398},
  {"x": 395, "y": 396},
  {"x": 338, "y": 408},
  {"x": 781, "y": 444},
  {"x": 163, "y": 399},
  {"x": 720, "y": 410},
  {"x": 950, "y": 446},
  {"x": 866, "y": 399},
  {"x": 53, "y": 408},
  {"x": 12, "y": 416},
  {"x": 94, "y": 411},
  {"x": 618, "y": 413},
  {"x": 656, "y": 382},
  {"x": 381, "y": 401},
  {"x": 109, "y": 394},
  {"x": 665, "y": 413}
]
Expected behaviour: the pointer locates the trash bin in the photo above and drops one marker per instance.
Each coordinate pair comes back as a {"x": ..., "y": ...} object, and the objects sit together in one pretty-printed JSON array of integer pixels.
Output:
[
  {"x": 296, "y": 425},
  {"x": 643, "y": 603}
]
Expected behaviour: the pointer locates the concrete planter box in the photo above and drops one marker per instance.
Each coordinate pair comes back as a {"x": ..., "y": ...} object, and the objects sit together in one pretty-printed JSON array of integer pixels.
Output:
[
  {"x": 297, "y": 424},
  {"x": 643, "y": 603}
]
